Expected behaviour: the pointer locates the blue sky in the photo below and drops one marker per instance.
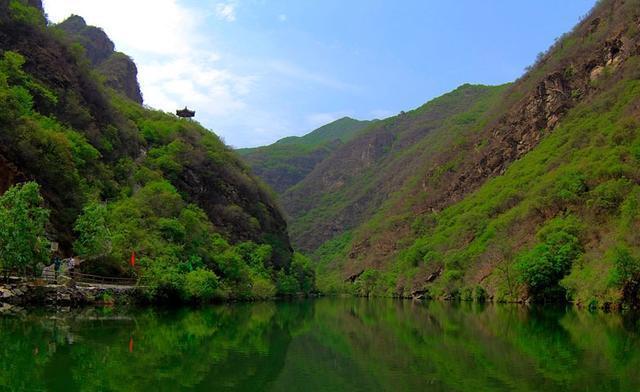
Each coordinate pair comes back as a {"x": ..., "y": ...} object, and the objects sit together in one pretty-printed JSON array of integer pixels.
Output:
[{"x": 259, "y": 70}]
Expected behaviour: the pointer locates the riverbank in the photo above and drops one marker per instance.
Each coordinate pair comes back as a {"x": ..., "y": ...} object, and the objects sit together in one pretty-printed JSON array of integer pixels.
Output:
[{"x": 39, "y": 293}]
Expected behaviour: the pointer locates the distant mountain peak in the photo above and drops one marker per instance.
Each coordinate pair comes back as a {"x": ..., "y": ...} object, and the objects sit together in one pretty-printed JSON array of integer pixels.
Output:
[{"x": 284, "y": 163}]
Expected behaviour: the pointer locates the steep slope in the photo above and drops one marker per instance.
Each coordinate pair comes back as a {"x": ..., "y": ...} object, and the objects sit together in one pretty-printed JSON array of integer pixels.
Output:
[
  {"x": 162, "y": 186},
  {"x": 119, "y": 70},
  {"x": 534, "y": 197},
  {"x": 287, "y": 161},
  {"x": 348, "y": 187}
]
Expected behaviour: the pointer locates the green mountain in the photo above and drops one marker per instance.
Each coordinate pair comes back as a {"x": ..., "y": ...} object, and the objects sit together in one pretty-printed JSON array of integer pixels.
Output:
[
  {"x": 287, "y": 161},
  {"x": 527, "y": 191},
  {"x": 120, "y": 178}
]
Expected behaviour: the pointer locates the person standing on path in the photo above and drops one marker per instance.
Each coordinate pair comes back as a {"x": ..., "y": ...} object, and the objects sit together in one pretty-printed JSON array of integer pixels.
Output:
[{"x": 56, "y": 266}]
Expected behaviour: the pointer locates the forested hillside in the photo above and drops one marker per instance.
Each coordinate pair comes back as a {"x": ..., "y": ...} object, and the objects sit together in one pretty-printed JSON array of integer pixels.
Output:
[
  {"x": 286, "y": 162},
  {"x": 120, "y": 178},
  {"x": 527, "y": 191}
]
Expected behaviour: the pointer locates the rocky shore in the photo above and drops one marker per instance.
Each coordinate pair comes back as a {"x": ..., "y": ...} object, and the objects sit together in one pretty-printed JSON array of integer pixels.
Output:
[{"x": 43, "y": 294}]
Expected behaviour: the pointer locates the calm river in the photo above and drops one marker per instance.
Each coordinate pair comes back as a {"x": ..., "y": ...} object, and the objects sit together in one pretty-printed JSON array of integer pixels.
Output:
[{"x": 321, "y": 345}]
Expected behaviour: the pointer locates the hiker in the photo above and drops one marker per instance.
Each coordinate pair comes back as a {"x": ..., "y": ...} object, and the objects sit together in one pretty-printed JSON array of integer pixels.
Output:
[
  {"x": 70, "y": 264},
  {"x": 56, "y": 265}
]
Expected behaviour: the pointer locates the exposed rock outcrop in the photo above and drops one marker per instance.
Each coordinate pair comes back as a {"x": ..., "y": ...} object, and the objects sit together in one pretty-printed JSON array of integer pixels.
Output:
[
  {"x": 98, "y": 47},
  {"x": 119, "y": 70},
  {"x": 519, "y": 130},
  {"x": 121, "y": 74}
]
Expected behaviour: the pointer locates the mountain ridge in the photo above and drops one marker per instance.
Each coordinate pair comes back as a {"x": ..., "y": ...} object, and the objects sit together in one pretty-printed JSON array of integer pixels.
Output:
[{"x": 285, "y": 162}]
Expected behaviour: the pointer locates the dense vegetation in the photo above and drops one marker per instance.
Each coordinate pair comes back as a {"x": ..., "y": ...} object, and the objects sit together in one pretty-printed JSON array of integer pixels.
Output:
[
  {"x": 23, "y": 242},
  {"x": 119, "y": 178}
]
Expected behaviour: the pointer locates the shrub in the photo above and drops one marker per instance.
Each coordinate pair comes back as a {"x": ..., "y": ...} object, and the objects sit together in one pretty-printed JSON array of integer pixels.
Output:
[
  {"x": 626, "y": 273},
  {"x": 466, "y": 294},
  {"x": 162, "y": 277},
  {"x": 480, "y": 294},
  {"x": 200, "y": 285},
  {"x": 570, "y": 187},
  {"x": 262, "y": 288},
  {"x": 607, "y": 196},
  {"x": 303, "y": 272},
  {"x": 542, "y": 267},
  {"x": 26, "y": 14},
  {"x": 366, "y": 283},
  {"x": 286, "y": 284}
]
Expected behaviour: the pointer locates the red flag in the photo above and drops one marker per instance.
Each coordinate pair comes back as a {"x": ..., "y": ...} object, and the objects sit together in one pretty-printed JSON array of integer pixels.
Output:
[{"x": 133, "y": 259}]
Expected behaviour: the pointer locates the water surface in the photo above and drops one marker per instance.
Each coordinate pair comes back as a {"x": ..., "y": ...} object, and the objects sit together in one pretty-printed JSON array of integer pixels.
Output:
[{"x": 322, "y": 345}]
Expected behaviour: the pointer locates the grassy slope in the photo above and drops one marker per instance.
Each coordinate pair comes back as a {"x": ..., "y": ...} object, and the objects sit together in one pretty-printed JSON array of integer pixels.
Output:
[
  {"x": 346, "y": 189},
  {"x": 476, "y": 240},
  {"x": 287, "y": 161}
]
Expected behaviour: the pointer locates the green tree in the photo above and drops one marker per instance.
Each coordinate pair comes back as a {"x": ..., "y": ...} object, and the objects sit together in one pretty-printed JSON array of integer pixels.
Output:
[
  {"x": 23, "y": 241},
  {"x": 542, "y": 267},
  {"x": 286, "y": 284},
  {"x": 303, "y": 272},
  {"x": 94, "y": 236},
  {"x": 200, "y": 285},
  {"x": 626, "y": 273}
]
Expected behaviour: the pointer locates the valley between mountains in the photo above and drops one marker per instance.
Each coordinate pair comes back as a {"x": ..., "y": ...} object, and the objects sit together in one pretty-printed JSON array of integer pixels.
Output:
[{"x": 522, "y": 192}]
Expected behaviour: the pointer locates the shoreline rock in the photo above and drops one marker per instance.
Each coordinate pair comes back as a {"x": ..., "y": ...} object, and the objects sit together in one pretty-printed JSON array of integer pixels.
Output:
[{"x": 36, "y": 293}]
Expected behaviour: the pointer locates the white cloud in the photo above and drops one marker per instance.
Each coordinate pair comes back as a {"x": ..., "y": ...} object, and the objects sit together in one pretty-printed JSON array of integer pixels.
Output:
[
  {"x": 150, "y": 26},
  {"x": 226, "y": 11},
  {"x": 190, "y": 81},
  {"x": 282, "y": 17}
]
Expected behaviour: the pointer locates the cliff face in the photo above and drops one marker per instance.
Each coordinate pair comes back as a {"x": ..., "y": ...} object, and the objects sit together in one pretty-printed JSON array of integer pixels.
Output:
[
  {"x": 121, "y": 74},
  {"x": 98, "y": 47},
  {"x": 119, "y": 70}
]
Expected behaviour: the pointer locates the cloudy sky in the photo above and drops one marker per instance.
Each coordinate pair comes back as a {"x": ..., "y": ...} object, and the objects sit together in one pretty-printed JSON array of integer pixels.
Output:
[{"x": 259, "y": 70}]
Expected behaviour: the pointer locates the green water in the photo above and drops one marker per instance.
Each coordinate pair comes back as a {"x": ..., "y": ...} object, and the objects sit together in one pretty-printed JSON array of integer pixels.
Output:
[{"x": 326, "y": 344}]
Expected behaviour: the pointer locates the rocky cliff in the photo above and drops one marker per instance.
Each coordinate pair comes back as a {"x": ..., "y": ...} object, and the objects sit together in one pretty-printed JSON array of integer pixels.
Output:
[{"x": 119, "y": 70}]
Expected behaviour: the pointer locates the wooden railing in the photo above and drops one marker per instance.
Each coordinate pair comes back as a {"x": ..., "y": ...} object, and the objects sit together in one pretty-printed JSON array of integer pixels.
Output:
[
  {"x": 78, "y": 277},
  {"x": 97, "y": 279}
]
